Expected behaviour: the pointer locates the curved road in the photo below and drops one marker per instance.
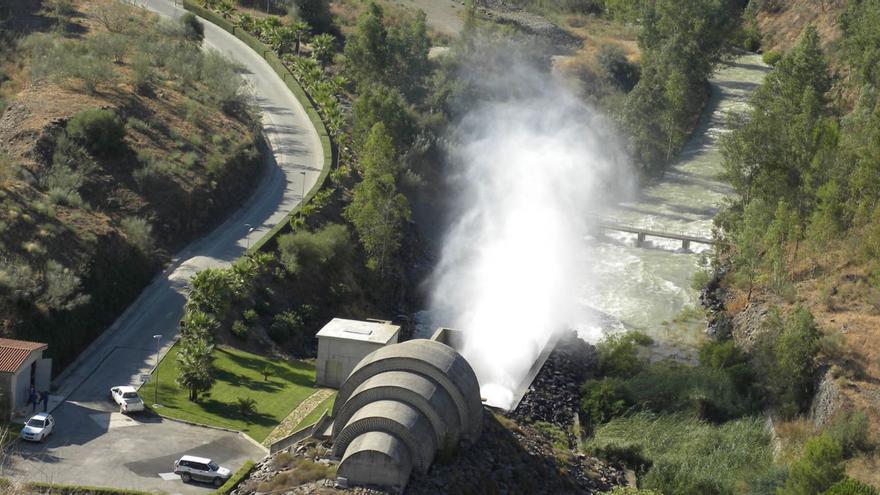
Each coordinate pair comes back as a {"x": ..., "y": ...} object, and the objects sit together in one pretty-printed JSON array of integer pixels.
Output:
[{"x": 93, "y": 444}]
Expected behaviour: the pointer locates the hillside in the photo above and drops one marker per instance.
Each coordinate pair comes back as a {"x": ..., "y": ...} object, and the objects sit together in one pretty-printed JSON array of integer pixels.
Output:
[
  {"x": 810, "y": 246},
  {"x": 120, "y": 142}
]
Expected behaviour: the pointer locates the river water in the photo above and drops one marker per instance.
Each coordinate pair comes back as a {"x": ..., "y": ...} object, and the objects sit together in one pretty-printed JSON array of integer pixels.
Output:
[{"x": 649, "y": 288}]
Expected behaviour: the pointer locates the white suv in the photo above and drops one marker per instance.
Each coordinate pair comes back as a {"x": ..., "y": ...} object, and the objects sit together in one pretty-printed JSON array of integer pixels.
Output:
[{"x": 190, "y": 468}]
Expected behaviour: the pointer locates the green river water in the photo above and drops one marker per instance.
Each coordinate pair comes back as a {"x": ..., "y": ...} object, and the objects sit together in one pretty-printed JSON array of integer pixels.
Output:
[{"x": 648, "y": 287}]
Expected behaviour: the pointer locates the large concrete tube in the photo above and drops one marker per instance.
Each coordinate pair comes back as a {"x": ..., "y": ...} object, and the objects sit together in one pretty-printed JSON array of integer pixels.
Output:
[
  {"x": 437, "y": 361},
  {"x": 376, "y": 458},
  {"x": 419, "y": 391},
  {"x": 400, "y": 420}
]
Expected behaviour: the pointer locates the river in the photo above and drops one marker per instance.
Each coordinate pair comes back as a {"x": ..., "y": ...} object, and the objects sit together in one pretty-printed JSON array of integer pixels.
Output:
[{"x": 648, "y": 288}]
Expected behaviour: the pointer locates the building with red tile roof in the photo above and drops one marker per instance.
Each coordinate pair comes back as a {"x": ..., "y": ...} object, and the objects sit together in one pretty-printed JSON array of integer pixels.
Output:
[{"x": 22, "y": 369}]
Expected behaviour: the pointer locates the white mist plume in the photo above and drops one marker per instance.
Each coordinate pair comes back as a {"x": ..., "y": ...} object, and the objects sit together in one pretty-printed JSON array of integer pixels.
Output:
[{"x": 535, "y": 165}]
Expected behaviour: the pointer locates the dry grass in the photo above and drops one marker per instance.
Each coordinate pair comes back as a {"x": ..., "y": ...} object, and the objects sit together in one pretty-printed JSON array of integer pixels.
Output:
[{"x": 782, "y": 28}]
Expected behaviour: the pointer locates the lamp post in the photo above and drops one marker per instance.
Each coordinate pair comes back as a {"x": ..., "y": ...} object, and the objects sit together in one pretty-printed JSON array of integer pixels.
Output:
[
  {"x": 156, "y": 388},
  {"x": 302, "y": 196},
  {"x": 248, "y": 237}
]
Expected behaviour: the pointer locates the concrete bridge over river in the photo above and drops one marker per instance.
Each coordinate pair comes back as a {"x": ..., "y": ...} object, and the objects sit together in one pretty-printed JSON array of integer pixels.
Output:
[{"x": 642, "y": 233}]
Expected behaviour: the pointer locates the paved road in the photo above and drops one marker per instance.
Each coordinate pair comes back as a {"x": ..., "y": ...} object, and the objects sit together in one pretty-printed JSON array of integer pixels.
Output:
[{"x": 93, "y": 447}]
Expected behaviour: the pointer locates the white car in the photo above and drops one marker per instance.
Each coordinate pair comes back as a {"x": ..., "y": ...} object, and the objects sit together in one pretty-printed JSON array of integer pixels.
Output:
[
  {"x": 38, "y": 428},
  {"x": 192, "y": 468},
  {"x": 127, "y": 398}
]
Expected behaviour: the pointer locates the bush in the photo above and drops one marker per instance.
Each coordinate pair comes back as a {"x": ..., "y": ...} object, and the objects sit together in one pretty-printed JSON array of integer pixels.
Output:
[
  {"x": 850, "y": 431},
  {"x": 286, "y": 325},
  {"x": 236, "y": 478},
  {"x": 819, "y": 467},
  {"x": 193, "y": 29},
  {"x": 100, "y": 130},
  {"x": 771, "y": 57},
  {"x": 139, "y": 233},
  {"x": 318, "y": 257},
  {"x": 61, "y": 286},
  {"x": 619, "y": 353},
  {"x": 142, "y": 73},
  {"x": 240, "y": 329},
  {"x": 613, "y": 62},
  {"x": 249, "y": 316},
  {"x": 602, "y": 400},
  {"x": 850, "y": 486}
]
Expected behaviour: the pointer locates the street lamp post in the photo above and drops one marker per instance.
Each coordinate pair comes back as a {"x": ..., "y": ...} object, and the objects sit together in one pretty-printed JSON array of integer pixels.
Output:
[
  {"x": 248, "y": 237},
  {"x": 156, "y": 388},
  {"x": 302, "y": 196}
]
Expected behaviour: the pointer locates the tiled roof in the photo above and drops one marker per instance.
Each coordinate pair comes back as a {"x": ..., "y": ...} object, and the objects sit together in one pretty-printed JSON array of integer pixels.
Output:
[{"x": 13, "y": 353}]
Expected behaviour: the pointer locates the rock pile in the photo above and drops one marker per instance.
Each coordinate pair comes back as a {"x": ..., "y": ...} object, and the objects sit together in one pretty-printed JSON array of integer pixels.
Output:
[
  {"x": 554, "y": 395},
  {"x": 516, "y": 459}
]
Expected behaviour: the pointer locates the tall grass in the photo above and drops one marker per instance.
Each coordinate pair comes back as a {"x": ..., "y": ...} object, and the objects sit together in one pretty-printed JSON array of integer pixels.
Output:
[{"x": 687, "y": 455}]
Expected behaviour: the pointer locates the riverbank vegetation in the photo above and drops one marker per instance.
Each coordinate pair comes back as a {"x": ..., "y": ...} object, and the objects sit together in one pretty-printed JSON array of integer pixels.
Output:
[
  {"x": 112, "y": 124},
  {"x": 699, "y": 429},
  {"x": 801, "y": 233}
]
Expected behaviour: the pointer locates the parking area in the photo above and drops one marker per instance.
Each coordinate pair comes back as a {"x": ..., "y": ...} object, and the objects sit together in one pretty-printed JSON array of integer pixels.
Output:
[
  {"x": 94, "y": 445},
  {"x": 100, "y": 447}
]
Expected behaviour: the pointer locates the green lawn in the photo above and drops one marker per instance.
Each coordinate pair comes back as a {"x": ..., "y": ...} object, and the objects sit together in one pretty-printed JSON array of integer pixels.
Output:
[
  {"x": 238, "y": 375},
  {"x": 313, "y": 416}
]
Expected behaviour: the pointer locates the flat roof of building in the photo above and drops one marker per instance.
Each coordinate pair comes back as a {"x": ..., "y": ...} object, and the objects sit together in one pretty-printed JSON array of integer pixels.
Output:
[{"x": 365, "y": 331}]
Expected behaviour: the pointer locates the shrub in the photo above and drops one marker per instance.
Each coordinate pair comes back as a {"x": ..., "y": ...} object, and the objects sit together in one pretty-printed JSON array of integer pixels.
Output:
[
  {"x": 240, "y": 329},
  {"x": 602, "y": 400},
  {"x": 613, "y": 62},
  {"x": 61, "y": 286},
  {"x": 114, "y": 15},
  {"x": 619, "y": 353},
  {"x": 795, "y": 353},
  {"x": 139, "y": 233},
  {"x": 850, "y": 431},
  {"x": 100, "y": 130},
  {"x": 316, "y": 257},
  {"x": 819, "y": 467},
  {"x": 700, "y": 279},
  {"x": 771, "y": 57},
  {"x": 249, "y": 316},
  {"x": 285, "y": 326},
  {"x": 193, "y": 29},
  {"x": 850, "y": 486},
  {"x": 142, "y": 72}
]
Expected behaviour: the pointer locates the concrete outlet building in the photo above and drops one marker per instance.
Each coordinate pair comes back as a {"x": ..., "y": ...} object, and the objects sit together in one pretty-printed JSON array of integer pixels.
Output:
[
  {"x": 342, "y": 344},
  {"x": 399, "y": 407}
]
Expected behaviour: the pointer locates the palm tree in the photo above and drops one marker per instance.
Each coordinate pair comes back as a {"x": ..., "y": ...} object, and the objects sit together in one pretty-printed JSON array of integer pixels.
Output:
[
  {"x": 322, "y": 47},
  {"x": 246, "y": 22},
  {"x": 225, "y": 8},
  {"x": 195, "y": 362},
  {"x": 300, "y": 29}
]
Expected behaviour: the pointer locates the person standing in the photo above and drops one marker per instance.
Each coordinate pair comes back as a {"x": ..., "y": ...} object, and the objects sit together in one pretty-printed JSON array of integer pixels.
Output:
[{"x": 44, "y": 396}]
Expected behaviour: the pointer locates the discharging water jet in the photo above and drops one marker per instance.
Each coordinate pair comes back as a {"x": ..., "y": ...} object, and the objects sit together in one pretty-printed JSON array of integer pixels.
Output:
[{"x": 533, "y": 169}]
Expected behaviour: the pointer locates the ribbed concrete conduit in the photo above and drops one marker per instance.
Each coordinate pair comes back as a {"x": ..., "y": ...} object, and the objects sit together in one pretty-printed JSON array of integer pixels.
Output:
[
  {"x": 437, "y": 361},
  {"x": 400, "y": 420},
  {"x": 411, "y": 388},
  {"x": 376, "y": 458}
]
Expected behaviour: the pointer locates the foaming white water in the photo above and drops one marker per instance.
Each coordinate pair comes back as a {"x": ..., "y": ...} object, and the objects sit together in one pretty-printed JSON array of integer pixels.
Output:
[{"x": 534, "y": 168}]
